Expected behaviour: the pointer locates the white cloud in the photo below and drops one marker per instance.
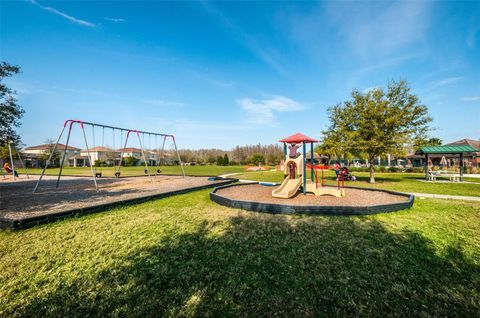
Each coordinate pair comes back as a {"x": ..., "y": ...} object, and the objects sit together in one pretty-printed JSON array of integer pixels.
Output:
[
  {"x": 64, "y": 15},
  {"x": 262, "y": 111},
  {"x": 381, "y": 27},
  {"x": 164, "y": 103},
  {"x": 470, "y": 98},
  {"x": 445, "y": 81},
  {"x": 115, "y": 19}
]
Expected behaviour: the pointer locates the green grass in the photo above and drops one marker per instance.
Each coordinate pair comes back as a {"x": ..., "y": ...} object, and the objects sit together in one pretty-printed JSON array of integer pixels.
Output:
[
  {"x": 208, "y": 170},
  {"x": 405, "y": 182},
  {"x": 187, "y": 256}
]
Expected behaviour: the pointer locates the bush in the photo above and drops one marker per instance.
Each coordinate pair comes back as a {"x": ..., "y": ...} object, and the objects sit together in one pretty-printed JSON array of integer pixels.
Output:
[
  {"x": 393, "y": 169},
  {"x": 257, "y": 159},
  {"x": 99, "y": 163},
  {"x": 359, "y": 169},
  {"x": 129, "y": 161},
  {"x": 474, "y": 170}
]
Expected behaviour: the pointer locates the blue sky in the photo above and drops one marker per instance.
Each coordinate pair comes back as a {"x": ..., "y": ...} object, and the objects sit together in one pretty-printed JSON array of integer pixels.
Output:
[{"x": 218, "y": 74}]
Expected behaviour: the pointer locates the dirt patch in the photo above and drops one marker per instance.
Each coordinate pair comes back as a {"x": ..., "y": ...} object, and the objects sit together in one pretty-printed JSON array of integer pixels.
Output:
[
  {"x": 354, "y": 197},
  {"x": 18, "y": 202}
]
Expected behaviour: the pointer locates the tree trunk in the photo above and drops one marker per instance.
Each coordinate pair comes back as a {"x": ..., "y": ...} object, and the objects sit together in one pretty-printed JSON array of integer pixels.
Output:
[{"x": 372, "y": 170}]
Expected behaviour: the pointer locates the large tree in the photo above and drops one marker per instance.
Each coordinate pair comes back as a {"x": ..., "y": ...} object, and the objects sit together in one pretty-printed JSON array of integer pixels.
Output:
[
  {"x": 378, "y": 122},
  {"x": 10, "y": 111},
  {"x": 421, "y": 142}
]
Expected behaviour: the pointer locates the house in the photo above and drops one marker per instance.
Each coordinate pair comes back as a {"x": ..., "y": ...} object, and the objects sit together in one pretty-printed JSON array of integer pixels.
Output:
[
  {"x": 105, "y": 154},
  {"x": 132, "y": 152},
  {"x": 36, "y": 156},
  {"x": 152, "y": 157},
  {"x": 472, "y": 158}
]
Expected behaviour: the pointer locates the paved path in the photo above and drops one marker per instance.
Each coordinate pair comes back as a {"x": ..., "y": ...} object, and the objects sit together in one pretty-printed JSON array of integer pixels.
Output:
[
  {"x": 418, "y": 195},
  {"x": 445, "y": 196}
]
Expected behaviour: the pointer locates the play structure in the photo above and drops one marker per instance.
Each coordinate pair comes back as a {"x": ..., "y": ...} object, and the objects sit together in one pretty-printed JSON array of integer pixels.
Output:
[
  {"x": 118, "y": 161},
  {"x": 10, "y": 167},
  {"x": 295, "y": 168}
]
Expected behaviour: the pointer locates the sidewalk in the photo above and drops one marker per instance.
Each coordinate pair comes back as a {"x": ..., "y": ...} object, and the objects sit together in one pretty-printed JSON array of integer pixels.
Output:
[{"x": 445, "y": 196}]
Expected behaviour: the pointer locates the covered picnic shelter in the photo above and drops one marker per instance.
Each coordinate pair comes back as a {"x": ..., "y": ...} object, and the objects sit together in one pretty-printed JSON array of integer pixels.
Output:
[{"x": 460, "y": 150}]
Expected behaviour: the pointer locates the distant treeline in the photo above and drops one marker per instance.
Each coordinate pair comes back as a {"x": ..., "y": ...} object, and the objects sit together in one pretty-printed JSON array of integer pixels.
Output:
[{"x": 243, "y": 155}]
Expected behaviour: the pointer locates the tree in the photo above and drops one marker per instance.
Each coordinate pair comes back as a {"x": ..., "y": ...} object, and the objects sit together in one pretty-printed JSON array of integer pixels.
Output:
[
  {"x": 226, "y": 160},
  {"x": 211, "y": 160},
  {"x": 257, "y": 159},
  {"x": 129, "y": 161},
  {"x": 10, "y": 111},
  {"x": 220, "y": 161},
  {"x": 45, "y": 155},
  {"x": 421, "y": 142},
  {"x": 378, "y": 122},
  {"x": 5, "y": 153}
]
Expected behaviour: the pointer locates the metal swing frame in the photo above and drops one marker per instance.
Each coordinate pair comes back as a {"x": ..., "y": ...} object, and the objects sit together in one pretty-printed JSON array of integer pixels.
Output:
[
  {"x": 71, "y": 122},
  {"x": 19, "y": 158}
]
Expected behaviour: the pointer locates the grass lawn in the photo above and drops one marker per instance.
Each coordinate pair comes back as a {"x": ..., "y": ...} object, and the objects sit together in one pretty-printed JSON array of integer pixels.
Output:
[
  {"x": 405, "y": 182},
  {"x": 212, "y": 170},
  {"x": 187, "y": 256}
]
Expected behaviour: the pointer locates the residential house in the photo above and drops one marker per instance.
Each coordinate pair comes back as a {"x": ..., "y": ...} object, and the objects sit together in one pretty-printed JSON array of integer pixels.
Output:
[
  {"x": 132, "y": 152},
  {"x": 35, "y": 156},
  {"x": 108, "y": 155}
]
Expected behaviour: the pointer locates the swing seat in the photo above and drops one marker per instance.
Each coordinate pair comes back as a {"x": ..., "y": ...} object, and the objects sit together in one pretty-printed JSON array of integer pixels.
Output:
[
  {"x": 159, "y": 171},
  {"x": 117, "y": 174},
  {"x": 145, "y": 171},
  {"x": 98, "y": 174}
]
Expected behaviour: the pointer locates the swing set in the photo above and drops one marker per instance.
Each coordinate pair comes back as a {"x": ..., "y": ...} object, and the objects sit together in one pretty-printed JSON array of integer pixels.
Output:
[
  {"x": 141, "y": 140},
  {"x": 12, "y": 164}
]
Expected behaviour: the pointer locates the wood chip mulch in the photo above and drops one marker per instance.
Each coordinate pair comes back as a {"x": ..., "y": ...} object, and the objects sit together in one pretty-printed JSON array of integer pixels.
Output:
[
  {"x": 353, "y": 197},
  {"x": 17, "y": 200}
]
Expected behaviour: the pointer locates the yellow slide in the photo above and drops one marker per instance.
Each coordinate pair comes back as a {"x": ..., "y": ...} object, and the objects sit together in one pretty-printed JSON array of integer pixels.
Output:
[{"x": 288, "y": 188}]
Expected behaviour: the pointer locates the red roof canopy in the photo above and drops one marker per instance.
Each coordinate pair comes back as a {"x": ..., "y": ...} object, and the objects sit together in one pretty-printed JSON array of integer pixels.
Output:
[{"x": 298, "y": 138}]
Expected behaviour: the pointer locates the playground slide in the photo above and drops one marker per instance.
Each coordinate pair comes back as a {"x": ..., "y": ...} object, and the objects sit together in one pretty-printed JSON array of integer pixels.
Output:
[{"x": 288, "y": 188}]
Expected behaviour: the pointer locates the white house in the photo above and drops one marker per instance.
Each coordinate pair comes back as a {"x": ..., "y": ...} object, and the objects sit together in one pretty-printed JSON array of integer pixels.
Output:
[{"x": 34, "y": 155}]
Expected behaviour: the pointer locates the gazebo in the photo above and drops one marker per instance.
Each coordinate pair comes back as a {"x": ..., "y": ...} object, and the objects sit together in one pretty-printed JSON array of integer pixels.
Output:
[
  {"x": 304, "y": 140},
  {"x": 447, "y": 150}
]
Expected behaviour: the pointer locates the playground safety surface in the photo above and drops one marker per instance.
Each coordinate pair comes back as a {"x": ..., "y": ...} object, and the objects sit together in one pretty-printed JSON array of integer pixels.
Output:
[
  {"x": 258, "y": 198},
  {"x": 20, "y": 208}
]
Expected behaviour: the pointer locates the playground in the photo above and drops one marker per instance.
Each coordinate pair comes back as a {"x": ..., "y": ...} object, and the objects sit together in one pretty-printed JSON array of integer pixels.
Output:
[
  {"x": 257, "y": 197},
  {"x": 303, "y": 189},
  {"x": 77, "y": 195}
]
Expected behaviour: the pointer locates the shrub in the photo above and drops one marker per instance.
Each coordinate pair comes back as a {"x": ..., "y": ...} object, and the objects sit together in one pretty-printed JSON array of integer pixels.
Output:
[
  {"x": 129, "y": 161},
  {"x": 393, "y": 169},
  {"x": 257, "y": 159},
  {"x": 99, "y": 163}
]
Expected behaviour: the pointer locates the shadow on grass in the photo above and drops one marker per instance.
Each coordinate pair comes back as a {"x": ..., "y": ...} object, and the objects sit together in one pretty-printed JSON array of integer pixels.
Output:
[{"x": 269, "y": 266}]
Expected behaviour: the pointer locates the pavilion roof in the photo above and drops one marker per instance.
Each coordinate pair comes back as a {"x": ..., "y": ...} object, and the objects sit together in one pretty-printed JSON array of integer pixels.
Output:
[{"x": 448, "y": 149}]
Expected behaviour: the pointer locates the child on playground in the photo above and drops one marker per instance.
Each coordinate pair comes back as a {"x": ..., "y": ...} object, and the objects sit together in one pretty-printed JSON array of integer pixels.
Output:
[
  {"x": 7, "y": 169},
  {"x": 336, "y": 167},
  {"x": 293, "y": 150}
]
